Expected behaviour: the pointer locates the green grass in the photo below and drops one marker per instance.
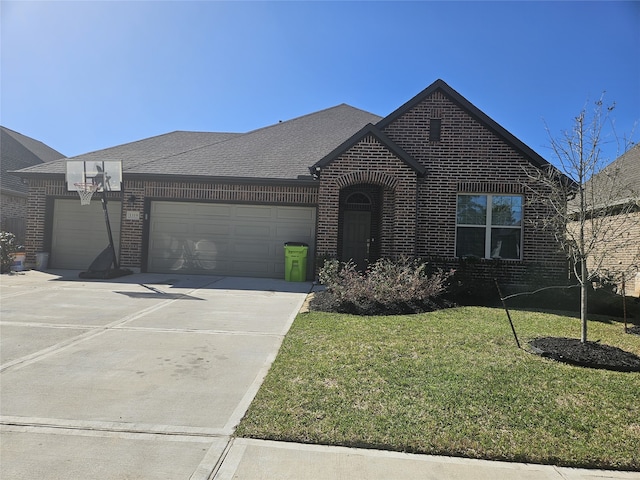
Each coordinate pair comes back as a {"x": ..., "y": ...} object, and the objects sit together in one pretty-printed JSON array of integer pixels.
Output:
[{"x": 450, "y": 382}]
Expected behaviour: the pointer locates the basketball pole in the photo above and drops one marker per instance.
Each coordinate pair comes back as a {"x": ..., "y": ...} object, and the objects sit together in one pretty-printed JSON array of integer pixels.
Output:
[{"x": 106, "y": 219}]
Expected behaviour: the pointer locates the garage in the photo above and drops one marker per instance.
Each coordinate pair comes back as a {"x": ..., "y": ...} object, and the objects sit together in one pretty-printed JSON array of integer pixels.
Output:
[
  {"x": 225, "y": 239},
  {"x": 79, "y": 232}
]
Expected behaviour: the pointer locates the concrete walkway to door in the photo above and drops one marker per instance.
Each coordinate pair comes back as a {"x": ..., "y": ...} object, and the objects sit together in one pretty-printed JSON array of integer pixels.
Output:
[{"x": 143, "y": 376}]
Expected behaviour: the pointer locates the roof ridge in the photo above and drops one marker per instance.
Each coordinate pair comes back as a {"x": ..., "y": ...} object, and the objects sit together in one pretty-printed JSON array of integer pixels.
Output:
[{"x": 281, "y": 122}]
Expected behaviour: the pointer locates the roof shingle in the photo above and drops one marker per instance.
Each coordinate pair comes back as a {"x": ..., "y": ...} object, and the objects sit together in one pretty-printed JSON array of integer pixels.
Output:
[
  {"x": 283, "y": 151},
  {"x": 19, "y": 151}
]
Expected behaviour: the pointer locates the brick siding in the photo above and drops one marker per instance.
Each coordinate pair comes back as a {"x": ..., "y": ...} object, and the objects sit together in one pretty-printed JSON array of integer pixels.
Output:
[
  {"x": 369, "y": 162},
  {"x": 617, "y": 251},
  {"x": 420, "y": 214},
  {"x": 13, "y": 212}
]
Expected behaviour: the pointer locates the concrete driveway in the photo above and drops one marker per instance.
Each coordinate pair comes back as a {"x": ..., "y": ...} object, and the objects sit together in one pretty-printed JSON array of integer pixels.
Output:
[{"x": 140, "y": 377}]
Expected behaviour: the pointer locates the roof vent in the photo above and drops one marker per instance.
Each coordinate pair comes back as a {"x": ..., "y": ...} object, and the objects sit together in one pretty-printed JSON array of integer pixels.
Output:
[{"x": 435, "y": 125}]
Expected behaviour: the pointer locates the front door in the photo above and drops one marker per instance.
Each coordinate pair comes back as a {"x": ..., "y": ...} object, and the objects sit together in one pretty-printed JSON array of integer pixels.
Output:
[{"x": 356, "y": 237}]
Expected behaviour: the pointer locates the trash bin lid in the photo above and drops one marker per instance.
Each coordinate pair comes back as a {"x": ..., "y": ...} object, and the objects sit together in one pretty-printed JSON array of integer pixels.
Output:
[{"x": 295, "y": 244}]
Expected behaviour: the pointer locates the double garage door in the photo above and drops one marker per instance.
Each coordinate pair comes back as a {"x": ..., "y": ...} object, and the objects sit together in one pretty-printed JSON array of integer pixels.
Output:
[
  {"x": 80, "y": 232},
  {"x": 226, "y": 239},
  {"x": 185, "y": 237}
]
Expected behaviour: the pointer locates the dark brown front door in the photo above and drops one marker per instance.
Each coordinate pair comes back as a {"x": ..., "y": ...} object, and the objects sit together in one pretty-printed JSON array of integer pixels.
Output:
[{"x": 356, "y": 237}]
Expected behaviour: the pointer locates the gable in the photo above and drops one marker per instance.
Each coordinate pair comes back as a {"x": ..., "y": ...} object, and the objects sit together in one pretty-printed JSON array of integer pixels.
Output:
[
  {"x": 368, "y": 130},
  {"x": 449, "y": 94}
]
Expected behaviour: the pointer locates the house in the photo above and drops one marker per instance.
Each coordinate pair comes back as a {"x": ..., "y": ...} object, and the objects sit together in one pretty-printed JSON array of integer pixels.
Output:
[
  {"x": 437, "y": 178},
  {"x": 18, "y": 151},
  {"x": 615, "y": 191}
]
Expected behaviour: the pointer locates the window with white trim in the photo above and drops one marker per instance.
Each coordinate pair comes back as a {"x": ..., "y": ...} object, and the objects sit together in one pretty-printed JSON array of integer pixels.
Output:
[{"x": 489, "y": 226}]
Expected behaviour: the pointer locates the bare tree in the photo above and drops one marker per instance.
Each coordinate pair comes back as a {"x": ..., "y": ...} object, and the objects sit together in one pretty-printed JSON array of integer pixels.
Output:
[{"x": 593, "y": 205}]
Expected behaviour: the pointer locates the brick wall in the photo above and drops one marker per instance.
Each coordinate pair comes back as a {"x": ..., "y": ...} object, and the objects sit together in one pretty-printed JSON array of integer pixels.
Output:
[
  {"x": 369, "y": 162},
  {"x": 617, "y": 250},
  {"x": 13, "y": 212},
  {"x": 468, "y": 158}
]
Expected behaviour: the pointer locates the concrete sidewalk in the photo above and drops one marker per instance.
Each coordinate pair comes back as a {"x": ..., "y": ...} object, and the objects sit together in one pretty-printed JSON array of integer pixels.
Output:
[{"x": 250, "y": 459}]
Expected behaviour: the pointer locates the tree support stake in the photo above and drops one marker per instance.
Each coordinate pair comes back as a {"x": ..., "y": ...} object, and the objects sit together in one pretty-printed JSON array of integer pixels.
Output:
[{"x": 504, "y": 304}]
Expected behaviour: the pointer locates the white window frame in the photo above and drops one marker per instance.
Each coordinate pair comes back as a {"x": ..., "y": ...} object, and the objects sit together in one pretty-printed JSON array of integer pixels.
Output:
[{"x": 488, "y": 224}]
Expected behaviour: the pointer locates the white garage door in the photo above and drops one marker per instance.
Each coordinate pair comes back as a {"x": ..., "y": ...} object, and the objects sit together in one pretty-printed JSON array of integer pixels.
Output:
[
  {"x": 80, "y": 232},
  {"x": 226, "y": 239}
]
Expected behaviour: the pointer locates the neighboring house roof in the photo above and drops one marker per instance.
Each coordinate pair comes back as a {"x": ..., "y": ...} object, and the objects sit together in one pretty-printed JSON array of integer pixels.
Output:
[
  {"x": 367, "y": 130},
  {"x": 19, "y": 151},
  {"x": 619, "y": 182},
  {"x": 472, "y": 110},
  {"x": 279, "y": 152},
  {"x": 615, "y": 188},
  {"x": 628, "y": 166}
]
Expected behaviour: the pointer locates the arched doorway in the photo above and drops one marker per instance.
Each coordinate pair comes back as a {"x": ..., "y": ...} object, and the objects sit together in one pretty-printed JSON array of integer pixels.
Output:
[{"x": 358, "y": 235}]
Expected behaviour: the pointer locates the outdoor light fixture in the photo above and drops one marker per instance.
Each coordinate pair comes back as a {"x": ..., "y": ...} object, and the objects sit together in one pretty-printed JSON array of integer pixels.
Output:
[{"x": 132, "y": 199}]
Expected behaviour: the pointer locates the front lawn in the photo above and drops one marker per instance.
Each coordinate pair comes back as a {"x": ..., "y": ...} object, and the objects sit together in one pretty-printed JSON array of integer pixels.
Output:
[{"x": 450, "y": 382}]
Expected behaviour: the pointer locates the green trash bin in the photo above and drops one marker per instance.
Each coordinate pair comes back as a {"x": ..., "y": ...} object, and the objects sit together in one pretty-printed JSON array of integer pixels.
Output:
[{"x": 295, "y": 261}]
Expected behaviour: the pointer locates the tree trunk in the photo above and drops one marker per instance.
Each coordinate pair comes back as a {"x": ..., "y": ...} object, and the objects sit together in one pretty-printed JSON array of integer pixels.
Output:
[{"x": 583, "y": 299}]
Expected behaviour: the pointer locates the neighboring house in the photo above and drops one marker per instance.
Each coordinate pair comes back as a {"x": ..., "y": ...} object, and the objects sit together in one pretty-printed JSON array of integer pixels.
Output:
[
  {"x": 18, "y": 151},
  {"x": 436, "y": 178},
  {"x": 616, "y": 191}
]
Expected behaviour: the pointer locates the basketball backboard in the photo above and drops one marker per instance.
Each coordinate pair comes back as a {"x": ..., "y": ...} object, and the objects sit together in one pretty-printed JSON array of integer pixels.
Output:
[{"x": 105, "y": 175}]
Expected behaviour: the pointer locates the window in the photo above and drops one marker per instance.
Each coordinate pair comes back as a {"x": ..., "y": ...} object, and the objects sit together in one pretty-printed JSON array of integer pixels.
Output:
[
  {"x": 489, "y": 226},
  {"x": 358, "y": 198},
  {"x": 435, "y": 125}
]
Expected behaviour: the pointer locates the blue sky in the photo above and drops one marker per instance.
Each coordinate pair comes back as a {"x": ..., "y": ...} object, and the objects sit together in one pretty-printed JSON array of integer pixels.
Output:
[{"x": 82, "y": 76}]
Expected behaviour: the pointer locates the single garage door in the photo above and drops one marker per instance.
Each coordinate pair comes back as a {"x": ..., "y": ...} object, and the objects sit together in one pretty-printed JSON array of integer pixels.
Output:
[
  {"x": 226, "y": 239},
  {"x": 80, "y": 232}
]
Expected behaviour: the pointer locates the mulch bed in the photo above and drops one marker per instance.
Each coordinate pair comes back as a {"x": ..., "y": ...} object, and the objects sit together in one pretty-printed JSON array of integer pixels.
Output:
[{"x": 588, "y": 354}]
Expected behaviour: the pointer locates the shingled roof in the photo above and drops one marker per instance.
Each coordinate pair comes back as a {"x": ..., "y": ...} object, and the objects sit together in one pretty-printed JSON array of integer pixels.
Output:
[
  {"x": 619, "y": 182},
  {"x": 279, "y": 152},
  {"x": 19, "y": 151},
  {"x": 629, "y": 167},
  {"x": 138, "y": 152}
]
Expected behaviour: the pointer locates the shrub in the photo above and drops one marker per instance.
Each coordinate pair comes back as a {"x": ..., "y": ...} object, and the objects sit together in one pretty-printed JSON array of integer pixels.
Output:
[
  {"x": 8, "y": 247},
  {"x": 386, "y": 287}
]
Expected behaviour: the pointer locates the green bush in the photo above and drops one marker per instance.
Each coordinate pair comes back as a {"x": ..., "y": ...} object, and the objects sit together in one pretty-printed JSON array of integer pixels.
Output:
[
  {"x": 8, "y": 247},
  {"x": 387, "y": 287}
]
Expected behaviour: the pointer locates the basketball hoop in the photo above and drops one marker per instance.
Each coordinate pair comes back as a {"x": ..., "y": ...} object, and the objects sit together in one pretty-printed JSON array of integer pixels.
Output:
[{"x": 86, "y": 191}]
